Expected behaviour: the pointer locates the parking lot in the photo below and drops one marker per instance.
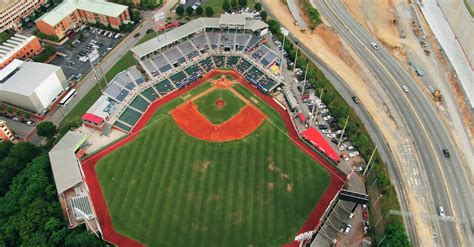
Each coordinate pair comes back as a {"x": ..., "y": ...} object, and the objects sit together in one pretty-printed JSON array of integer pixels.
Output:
[{"x": 89, "y": 42}]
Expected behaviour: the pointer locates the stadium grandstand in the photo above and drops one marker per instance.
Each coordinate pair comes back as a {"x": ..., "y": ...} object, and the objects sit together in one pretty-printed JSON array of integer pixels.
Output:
[{"x": 181, "y": 56}]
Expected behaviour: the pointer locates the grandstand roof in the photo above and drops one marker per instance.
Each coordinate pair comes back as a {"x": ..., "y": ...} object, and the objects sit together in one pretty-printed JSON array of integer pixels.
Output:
[
  {"x": 65, "y": 165},
  {"x": 231, "y": 20},
  {"x": 67, "y": 7},
  {"x": 316, "y": 139},
  {"x": 191, "y": 27}
]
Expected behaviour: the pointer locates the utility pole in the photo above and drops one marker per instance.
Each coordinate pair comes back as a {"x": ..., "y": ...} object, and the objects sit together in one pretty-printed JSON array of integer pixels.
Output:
[
  {"x": 96, "y": 76},
  {"x": 296, "y": 56},
  {"x": 370, "y": 160},
  {"x": 305, "y": 73},
  {"x": 281, "y": 54},
  {"x": 317, "y": 109},
  {"x": 343, "y": 131}
]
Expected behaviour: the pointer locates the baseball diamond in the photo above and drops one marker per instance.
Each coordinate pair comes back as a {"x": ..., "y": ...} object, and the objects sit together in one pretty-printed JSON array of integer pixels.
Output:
[{"x": 166, "y": 188}]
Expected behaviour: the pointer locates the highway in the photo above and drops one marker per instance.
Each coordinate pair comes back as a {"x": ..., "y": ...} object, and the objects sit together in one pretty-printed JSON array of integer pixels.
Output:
[{"x": 446, "y": 179}]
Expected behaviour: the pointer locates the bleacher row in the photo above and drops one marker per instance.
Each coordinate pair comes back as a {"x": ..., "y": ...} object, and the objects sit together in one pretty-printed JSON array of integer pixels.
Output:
[{"x": 175, "y": 55}]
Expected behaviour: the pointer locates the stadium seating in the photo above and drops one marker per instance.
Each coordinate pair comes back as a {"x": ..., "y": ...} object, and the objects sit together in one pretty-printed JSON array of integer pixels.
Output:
[
  {"x": 130, "y": 116},
  {"x": 139, "y": 103},
  {"x": 178, "y": 77},
  {"x": 150, "y": 94},
  {"x": 193, "y": 70},
  {"x": 232, "y": 61},
  {"x": 219, "y": 61},
  {"x": 164, "y": 86},
  {"x": 207, "y": 64},
  {"x": 122, "y": 126}
]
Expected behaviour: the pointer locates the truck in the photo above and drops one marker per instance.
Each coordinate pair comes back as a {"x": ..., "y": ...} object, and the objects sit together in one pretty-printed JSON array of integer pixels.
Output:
[{"x": 437, "y": 95}]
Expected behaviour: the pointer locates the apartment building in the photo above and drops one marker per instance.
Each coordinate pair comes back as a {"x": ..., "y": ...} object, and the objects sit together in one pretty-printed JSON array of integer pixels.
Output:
[
  {"x": 71, "y": 14},
  {"x": 19, "y": 47},
  {"x": 13, "y": 11}
]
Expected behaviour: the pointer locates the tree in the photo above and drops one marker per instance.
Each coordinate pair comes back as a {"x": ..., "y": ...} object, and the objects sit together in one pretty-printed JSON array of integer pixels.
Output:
[
  {"x": 274, "y": 26},
  {"x": 264, "y": 15},
  {"x": 189, "y": 11},
  {"x": 258, "y": 6},
  {"x": 24, "y": 151},
  {"x": 9, "y": 168},
  {"x": 209, "y": 12},
  {"x": 243, "y": 3},
  {"x": 199, "y": 10},
  {"x": 46, "y": 129},
  {"x": 180, "y": 10},
  {"x": 226, "y": 6},
  {"x": 395, "y": 235},
  {"x": 5, "y": 149},
  {"x": 234, "y": 4}
]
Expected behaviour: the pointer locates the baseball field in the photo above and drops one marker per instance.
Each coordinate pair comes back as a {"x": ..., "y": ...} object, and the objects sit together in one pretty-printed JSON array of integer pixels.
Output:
[{"x": 213, "y": 167}]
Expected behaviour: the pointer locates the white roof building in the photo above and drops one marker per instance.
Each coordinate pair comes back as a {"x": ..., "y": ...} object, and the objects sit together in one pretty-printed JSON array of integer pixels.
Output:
[
  {"x": 30, "y": 85},
  {"x": 64, "y": 163}
]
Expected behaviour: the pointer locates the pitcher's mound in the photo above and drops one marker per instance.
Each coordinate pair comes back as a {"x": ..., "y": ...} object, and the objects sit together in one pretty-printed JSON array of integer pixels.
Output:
[{"x": 219, "y": 103}]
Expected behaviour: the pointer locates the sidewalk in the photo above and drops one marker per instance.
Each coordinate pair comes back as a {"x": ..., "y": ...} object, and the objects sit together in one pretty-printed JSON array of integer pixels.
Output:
[{"x": 453, "y": 50}]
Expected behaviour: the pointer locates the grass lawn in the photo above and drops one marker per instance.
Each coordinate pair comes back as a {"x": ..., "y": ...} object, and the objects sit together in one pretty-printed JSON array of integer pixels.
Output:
[
  {"x": 215, "y": 114},
  {"x": 166, "y": 188},
  {"x": 74, "y": 116},
  {"x": 216, "y": 5}
]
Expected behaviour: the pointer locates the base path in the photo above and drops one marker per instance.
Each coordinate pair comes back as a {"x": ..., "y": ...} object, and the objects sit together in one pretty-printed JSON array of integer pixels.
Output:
[
  {"x": 109, "y": 233},
  {"x": 191, "y": 121}
]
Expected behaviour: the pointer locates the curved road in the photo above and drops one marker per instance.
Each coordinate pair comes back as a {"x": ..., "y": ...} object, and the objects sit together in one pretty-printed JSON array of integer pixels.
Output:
[{"x": 448, "y": 183}]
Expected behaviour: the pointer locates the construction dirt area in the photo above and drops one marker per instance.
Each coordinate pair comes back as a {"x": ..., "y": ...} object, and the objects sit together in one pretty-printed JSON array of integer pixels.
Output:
[{"x": 325, "y": 44}]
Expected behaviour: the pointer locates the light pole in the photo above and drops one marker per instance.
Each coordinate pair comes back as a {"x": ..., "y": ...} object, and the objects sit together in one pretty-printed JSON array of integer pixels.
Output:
[
  {"x": 296, "y": 56},
  {"x": 343, "y": 131}
]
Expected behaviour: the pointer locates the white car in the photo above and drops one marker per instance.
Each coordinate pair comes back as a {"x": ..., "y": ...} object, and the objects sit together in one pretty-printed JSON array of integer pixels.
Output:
[
  {"x": 350, "y": 148},
  {"x": 441, "y": 212},
  {"x": 30, "y": 123},
  {"x": 353, "y": 154},
  {"x": 405, "y": 88},
  {"x": 326, "y": 131},
  {"x": 338, "y": 132},
  {"x": 326, "y": 118},
  {"x": 342, "y": 147},
  {"x": 374, "y": 45},
  {"x": 324, "y": 111},
  {"x": 347, "y": 229}
]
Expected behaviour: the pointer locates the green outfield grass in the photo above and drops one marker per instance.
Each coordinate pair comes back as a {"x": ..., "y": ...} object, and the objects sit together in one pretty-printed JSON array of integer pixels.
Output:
[
  {"x": 166, "y": 188},
  {"x": 217, "y": 115}
]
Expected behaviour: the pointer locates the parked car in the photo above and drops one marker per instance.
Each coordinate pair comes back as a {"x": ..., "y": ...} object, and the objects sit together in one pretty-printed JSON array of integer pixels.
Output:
[
  {"x": 347, "y": 229},
  {"x": 342, "y": 147},
  {"x": 325, "y": 131},
  {"x": 322, "y": 127},
  {"x": 16, "y": 119},
  {"x": 327, "y": 117},
  {"x": 353, "y": 154},
  {"x": 30, "y": 123}
]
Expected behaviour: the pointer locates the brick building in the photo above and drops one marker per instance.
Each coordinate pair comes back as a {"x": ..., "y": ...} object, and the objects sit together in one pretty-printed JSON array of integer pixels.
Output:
[
  {"x": 19, "y": 47},
  {"x": 13, "y": 11},
  {"x": 71, "y": 14},
  {"x": 6, "y": 134}
]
